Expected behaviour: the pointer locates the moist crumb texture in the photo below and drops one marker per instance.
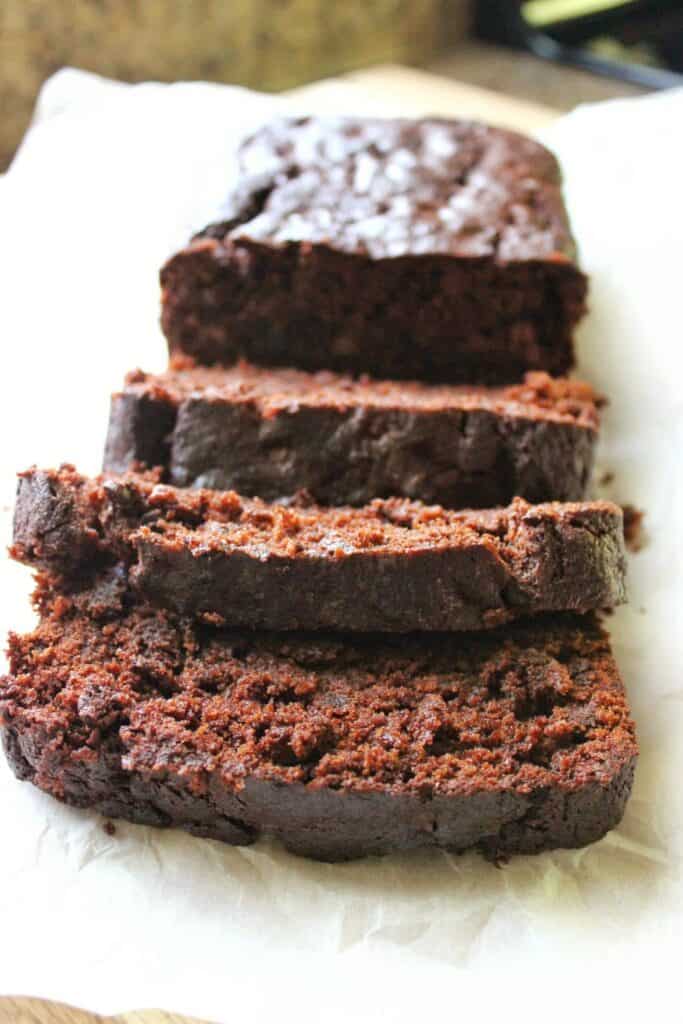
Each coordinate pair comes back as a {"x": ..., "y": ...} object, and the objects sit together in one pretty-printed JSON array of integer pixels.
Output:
[
  {"x": 518, "y": 740},
  {"x": 393, "y": 565},
  {"x": 431, "y": 249},
  {"x": 273, "y": 432}
]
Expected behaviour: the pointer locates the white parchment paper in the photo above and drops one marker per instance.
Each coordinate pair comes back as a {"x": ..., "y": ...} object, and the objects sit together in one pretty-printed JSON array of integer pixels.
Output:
[{"x": 108, "y": 181}]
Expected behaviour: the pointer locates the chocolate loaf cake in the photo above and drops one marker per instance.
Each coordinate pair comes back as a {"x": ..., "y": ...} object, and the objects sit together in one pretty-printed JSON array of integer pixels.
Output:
[
  {"x": 513, "y": 741},
  {"x": 431, "y": 249},
  {"x": 274, "y": 432},
  {"x": 391, "y": 566}
]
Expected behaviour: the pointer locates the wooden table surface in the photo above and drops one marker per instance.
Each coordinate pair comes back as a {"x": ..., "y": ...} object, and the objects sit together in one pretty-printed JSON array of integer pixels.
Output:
[
  {"x": 20, "y": 1010},
  {"x": 415, "y": 93}
]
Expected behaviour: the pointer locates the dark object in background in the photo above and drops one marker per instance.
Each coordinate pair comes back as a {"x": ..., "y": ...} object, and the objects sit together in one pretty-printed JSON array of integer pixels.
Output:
[
  {"x": 639, "y": 41},
  {"x": 438, "y": 250}
]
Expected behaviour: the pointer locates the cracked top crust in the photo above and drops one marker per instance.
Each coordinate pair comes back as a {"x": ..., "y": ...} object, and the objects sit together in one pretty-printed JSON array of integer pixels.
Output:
[{"x": 393, "y": 188}]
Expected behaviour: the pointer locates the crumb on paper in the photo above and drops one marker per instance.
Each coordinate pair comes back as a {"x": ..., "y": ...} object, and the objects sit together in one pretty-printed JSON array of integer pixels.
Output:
[
  {"x": 109, "y": 827},
  {"x": 606, "y": 478},
  {"x": 633, "y": 527}
]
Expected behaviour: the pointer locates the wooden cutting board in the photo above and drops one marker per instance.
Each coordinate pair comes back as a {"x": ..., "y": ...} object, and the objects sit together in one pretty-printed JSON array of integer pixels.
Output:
[
  {"x": 21, "y": 1010},
  {"x": 384, "y": 90}
]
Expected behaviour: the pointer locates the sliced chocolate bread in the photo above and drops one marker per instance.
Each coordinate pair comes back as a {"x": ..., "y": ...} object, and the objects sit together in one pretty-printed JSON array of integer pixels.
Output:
[
  {"x": 428, "y": 249},
  {"x": 274, "y": 432},
  {"x": 393, "y": 565},
  {"x": 512, "y": 741}
]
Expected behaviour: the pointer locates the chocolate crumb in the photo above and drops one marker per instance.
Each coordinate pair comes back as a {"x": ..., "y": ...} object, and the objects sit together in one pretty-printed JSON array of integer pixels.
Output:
[
  {"x": 109, "y": 827},
  {"x": 633, "y": 527}
]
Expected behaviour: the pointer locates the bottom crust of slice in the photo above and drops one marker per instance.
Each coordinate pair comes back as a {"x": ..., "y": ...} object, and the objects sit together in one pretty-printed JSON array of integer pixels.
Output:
[
  {"x": 513, "y": 742},
  {"x": 332, "y": 826}
]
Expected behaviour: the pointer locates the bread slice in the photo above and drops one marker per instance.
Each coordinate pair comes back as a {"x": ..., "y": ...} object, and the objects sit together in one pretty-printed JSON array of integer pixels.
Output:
[
  {"x": 511, "y": 741},
  {"x": 274, "y": 432},
  {"x": 392, "y": 566},
  {"x": 429, "y": 249}
]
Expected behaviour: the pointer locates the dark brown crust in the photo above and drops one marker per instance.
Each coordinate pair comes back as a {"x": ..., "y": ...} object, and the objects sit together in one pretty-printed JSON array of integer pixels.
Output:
[
  {"x": 433, "y": 249},
  {"x": 274, "y": 432},
  {"x": 509, "y": 742},
  {"x": 391, "y": 566}
]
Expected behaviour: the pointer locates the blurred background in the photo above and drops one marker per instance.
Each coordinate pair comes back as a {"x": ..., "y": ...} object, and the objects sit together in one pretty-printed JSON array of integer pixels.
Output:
[{"x": 560, "y": 52}]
